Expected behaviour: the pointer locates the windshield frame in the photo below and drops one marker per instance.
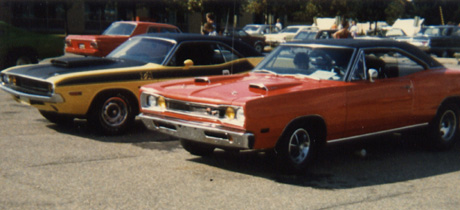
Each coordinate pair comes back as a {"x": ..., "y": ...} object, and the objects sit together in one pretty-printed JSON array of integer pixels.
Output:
[{"x": 261, "y": 67}]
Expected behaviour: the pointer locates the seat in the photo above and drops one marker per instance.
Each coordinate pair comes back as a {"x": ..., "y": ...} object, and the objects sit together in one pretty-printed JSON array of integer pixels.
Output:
[
  {"x": 378, "y": 64},
  {"x": 302, "y": 61}
]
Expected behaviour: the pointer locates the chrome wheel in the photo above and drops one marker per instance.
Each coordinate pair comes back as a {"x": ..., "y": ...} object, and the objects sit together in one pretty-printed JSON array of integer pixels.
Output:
[
  {"x": 448, "y": 125},
  {"x": 114, "y": 111},
  {"x": 299, "y": 146}
]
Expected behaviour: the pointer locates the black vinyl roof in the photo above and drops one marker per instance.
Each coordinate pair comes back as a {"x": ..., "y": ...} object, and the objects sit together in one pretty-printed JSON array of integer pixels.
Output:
[
  {"x": 376, "y": 43},
  {"x": 243, "y": 48}
]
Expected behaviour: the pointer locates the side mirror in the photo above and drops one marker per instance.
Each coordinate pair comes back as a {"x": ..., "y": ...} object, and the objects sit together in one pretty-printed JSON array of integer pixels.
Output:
[
  {"x": 187, "y": 64},
  {"x": 373, "y": 74}
]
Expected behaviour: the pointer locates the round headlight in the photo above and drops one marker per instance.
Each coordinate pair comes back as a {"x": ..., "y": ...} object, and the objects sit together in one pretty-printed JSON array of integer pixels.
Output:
[
  {"x": 230, "y": 113},
  {"x": 151, "y": 100},
  {"x": 161, "y": 102},
  {"x": 5, "y": 79}
]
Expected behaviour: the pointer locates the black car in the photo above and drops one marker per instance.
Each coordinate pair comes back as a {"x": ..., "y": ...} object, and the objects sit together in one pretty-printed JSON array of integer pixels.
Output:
[
  {"x": 442, "y": 41},
  {"x": 258, "y": 42}
]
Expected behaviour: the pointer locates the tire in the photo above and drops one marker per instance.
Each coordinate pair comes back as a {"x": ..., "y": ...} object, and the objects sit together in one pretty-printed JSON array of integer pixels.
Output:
[
  {"x": 259, "y": 47},
  {"x": 297, "y": 148},
  {"x": 196, "y": 148},
  {"x": 444, "y": 129},
  {"x": 57, "y": 118},
  {"x": 112, "y": 114}
]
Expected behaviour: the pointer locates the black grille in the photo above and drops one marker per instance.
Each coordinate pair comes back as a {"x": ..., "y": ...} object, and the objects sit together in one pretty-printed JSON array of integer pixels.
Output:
[{"x": 32, "y": 86}]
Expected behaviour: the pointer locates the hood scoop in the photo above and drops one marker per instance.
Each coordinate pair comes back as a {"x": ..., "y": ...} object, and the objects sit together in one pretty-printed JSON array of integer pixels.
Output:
[
  {"x": 273, "y": 85},
  {"x": 80, "y": 62}
]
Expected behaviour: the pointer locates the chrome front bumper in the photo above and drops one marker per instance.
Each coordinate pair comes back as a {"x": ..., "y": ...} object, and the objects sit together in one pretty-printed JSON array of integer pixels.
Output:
[
  {"x": 55, "y": 98},
  {"x": 207, "y": 133}
]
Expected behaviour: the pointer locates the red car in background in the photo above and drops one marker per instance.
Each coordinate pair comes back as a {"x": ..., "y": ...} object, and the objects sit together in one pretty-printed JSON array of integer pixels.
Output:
[{"x": 113, "y": 36}]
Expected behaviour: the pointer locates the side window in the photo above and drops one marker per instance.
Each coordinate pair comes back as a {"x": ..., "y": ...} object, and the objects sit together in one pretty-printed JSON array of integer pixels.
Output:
[
  {"x": 359, "y": 72},
  {"x": 227, "y": 54},
  {"x": 201, "y": 53},
  {"x": 391, "y": 63}
]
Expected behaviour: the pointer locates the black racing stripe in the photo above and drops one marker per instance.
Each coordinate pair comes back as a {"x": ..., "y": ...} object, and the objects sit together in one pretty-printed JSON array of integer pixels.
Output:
[{"x": 155, "y": 74}]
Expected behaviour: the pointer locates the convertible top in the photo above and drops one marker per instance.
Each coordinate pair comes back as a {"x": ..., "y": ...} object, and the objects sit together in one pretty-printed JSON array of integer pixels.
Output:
[
  {"x": 376, "y": 43},
  {"x": 238, "y": 45}
]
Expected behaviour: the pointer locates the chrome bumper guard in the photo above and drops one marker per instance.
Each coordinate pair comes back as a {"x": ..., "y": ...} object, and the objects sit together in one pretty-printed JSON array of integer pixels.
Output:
[
  {"x": 55, "y": 98},
  {"x": 207, "y": 133}
]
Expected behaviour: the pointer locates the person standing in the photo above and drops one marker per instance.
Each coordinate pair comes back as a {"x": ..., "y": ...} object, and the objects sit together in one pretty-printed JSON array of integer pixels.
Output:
[
  {"x": 343, "y": 33},
  {"x": 278, "y": 24},
  {"x": 353, "y": 29},
  {"x": 211, "y": 20}
]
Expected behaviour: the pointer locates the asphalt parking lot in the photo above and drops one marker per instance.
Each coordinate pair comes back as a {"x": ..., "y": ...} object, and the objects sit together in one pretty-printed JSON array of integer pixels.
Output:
[{"x": 45, "y": 166}]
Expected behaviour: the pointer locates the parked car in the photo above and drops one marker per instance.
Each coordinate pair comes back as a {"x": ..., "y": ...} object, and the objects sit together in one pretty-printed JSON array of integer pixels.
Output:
[
  {"x": 442, "y": 41},
  {"x": 260, "y": 29},
  {"x": 113, "y": 36},
  {"x": 19, "y": 46},
  {"x": 258, "y": 42},
  {"x": 305, "y": 35},
  {"x": 305, "y": 95},
  {"x": 105, "y": 90},
  {"x": 286, "y": 34}
]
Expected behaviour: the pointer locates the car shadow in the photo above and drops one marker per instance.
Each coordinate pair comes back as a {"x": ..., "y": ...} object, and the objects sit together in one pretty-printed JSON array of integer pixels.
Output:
[
  {"x": 388, "y": 159},
  {"x": 138, "y": 135}
]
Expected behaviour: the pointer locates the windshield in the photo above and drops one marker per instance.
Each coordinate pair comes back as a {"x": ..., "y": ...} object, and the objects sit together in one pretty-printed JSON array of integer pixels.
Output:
[
  {"x": 125, "y": 29},
  {"x": 326, "y": 63},
  {"x": 251, "y": 28},
  {"x": 305, "y": 35},
  {"x": 291, "y": 30},
  {"x": 143, "y": 49}
]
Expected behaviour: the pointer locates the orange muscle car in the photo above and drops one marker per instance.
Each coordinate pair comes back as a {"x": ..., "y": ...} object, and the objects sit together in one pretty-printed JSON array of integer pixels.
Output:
[
  {"x": 113, "y": 36},
  {"x": 306, "y": 94}
]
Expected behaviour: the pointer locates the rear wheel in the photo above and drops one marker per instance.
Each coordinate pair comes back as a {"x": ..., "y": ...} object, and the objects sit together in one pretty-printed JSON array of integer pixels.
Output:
[
  {"x": 444, "y": 128},
  {"x": 112, "y": 114},
  {"x": 196, "y": 148}
]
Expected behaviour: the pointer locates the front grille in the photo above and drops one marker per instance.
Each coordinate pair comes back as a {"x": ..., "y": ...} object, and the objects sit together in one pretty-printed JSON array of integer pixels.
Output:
[
  {"x": 31, "y": 86},
  {"x": 200, "y": 109}
]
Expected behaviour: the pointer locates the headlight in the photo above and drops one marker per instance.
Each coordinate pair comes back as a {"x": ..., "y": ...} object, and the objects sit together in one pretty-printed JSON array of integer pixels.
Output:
[
  {"x": 230, "y": 113},
  {"x": 240, "y": 114},
  {"x": 151, "y": 100},
  {"x": 161, "y": 102}
]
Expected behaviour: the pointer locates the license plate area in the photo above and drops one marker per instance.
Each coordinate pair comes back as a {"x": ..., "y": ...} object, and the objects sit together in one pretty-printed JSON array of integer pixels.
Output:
[{"x": 81, "y": 46}]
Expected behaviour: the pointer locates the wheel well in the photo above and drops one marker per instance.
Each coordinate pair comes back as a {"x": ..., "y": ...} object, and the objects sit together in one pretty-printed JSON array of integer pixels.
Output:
[
  {"x": 313, "y": 122},
  {"x": 451, "y": 100},
  {"x": 130, "y": 96}
]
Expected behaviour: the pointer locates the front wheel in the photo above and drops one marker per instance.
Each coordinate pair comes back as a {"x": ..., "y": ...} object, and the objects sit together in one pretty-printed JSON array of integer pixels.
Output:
[
  {"x": 297, "y": 148},
  {"x": 259, "y": 47},
  {"x": 444, "y": 128},
  {"x": 112, "y": 114}
]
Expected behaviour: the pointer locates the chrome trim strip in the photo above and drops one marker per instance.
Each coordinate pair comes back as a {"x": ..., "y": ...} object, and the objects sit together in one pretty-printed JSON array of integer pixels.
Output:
[
  {"x": 199, "y": 132},
  {"x": 377, "y": 133},
  {"x": 54, "y": 98}
]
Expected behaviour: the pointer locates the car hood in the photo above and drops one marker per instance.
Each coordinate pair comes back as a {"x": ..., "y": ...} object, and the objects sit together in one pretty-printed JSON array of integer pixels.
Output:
[
  {"x": 235, "y": 88},
  {"x": 67, "y": 65}
]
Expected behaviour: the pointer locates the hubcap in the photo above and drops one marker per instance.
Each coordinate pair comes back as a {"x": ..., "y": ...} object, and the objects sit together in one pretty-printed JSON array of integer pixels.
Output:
[
  {"x": 299, "y": 145},
  {"x": 448, "y": 125},
  {"x": 114, "y": 111}
]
